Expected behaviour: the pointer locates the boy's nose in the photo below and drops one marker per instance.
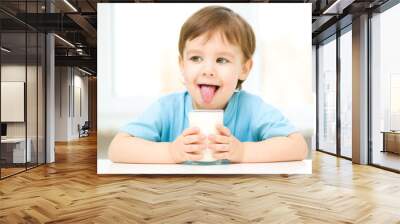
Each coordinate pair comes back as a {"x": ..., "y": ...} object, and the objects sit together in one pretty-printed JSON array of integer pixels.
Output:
[
  {"x": 208, "y": 74},
  {"x": 208, "y": 69}
]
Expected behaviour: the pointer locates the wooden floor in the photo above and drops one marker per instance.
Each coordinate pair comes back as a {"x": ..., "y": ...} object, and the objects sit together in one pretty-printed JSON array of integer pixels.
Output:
[
  {"x": 70, "y": 191},
  {"x": 10, "y": 171},
  {"x": 387, "y": 159}
]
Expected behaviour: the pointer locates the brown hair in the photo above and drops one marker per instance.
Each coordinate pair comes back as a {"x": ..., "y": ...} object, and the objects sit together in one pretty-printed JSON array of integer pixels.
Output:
[{"x": 213, "y": 19}]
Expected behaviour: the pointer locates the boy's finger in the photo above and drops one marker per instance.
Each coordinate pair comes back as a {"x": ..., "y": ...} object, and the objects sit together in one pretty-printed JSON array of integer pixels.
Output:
[
  {"x": 219, "y": 139},
  {"x": 223, "y": 155},
  {"x": 194, "y": 148},
  {"x": 217, "y": 148},
  {"x": 190, "y": 139},
  {"x": 190, "y": 131},
  {"x": 194, "y": 157},
  {"x": 223, "y": 130}
]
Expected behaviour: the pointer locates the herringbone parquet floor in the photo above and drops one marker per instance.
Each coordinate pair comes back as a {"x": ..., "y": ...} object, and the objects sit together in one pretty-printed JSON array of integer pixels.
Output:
[{"x": 70, "y": 191}]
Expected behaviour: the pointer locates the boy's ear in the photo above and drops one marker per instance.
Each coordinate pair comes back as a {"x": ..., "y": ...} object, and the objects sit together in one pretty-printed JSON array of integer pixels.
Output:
[{"x": 246, "y": 69}]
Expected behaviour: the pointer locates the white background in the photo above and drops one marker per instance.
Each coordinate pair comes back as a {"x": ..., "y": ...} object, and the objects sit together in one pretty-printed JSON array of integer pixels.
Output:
[{"x": 138, "y": 59}]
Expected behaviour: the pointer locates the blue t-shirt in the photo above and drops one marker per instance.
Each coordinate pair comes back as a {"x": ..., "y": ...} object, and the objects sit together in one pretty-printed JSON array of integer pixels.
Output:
[{"x": 247, "y": 116}]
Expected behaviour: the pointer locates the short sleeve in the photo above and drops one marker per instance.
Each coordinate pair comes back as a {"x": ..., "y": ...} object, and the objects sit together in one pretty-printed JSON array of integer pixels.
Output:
[
  {"x": 148, "y": 125},
  {"x": 270, "y": 122}
]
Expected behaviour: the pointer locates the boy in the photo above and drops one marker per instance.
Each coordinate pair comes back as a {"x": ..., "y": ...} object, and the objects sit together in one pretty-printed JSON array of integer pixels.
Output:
[{"x": 215, "y": 56}]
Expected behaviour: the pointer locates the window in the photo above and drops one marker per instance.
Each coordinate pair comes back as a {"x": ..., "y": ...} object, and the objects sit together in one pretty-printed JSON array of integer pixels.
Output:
[
  {"x": 346, "y": 93},
  {"x": 385, "y": 88},
  {"x": 327, "y": 96}
]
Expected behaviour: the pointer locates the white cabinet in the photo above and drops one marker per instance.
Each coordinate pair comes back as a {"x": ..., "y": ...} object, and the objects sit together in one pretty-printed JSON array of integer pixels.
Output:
[
  {"x": 12, "y": 101},
  {"x": 18, "y": 149}
]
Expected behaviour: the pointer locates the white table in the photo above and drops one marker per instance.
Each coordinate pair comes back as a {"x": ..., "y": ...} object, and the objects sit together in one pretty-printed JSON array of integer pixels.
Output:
[
  {"x": 19, "y": 149},
  {"x": 105, "y": 166}
]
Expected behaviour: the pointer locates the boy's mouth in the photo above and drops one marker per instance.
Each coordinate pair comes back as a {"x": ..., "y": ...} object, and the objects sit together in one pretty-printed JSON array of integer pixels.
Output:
[{"x": 207, "y": 92}]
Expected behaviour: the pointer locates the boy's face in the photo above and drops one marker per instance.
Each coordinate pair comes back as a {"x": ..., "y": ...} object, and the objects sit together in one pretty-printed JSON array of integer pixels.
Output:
[{"x": 211, "y": 69}]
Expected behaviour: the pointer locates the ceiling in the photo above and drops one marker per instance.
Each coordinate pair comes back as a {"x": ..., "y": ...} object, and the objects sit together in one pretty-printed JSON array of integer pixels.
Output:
[{"x": 76, "y": 22}]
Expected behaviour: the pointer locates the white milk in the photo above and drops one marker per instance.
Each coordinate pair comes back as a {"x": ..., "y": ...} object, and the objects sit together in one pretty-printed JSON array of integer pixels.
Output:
[{"x": 206, "y": 120}]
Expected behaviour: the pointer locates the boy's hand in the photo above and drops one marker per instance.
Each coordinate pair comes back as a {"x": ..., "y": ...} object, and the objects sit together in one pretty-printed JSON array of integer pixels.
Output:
[
  {"x": 188, "y": 146},
  {"x": 225, "y": 146}
]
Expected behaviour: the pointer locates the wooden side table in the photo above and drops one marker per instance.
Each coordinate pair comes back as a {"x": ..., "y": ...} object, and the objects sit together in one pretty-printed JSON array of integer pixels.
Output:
[{"x": 391, "y": 141}]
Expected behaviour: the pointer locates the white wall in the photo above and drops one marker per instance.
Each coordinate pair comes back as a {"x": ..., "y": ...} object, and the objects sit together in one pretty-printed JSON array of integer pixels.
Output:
[
  {"x": 61, "y": 103},
  {"x": 79, "y": 117},
  {"x": 70, "y": 83}
]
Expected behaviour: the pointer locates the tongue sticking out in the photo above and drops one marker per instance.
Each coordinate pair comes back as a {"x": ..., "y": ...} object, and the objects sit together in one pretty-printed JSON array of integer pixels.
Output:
[{"x": 207, "y": 92}]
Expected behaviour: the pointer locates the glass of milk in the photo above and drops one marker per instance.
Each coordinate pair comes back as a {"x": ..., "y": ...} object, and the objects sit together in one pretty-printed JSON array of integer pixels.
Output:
[{"x": 207, "y": 121}]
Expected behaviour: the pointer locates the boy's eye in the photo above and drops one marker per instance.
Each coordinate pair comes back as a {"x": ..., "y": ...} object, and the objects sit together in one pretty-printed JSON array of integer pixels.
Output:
[
  {"x": 222, "y": 60},
  {"x": 196, "y": 58}
]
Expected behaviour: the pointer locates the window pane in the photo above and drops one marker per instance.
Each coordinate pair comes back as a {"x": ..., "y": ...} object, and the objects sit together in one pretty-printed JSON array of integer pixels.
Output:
[
  {"x": 41, "y": 98},
  {"x": 346, "y": 94},
  {"x": 327, "y": 96},
  {"x": 386, "y": 88},
  {"x": 13, "y": 85},
  {"x": 31, "y": 97}
]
